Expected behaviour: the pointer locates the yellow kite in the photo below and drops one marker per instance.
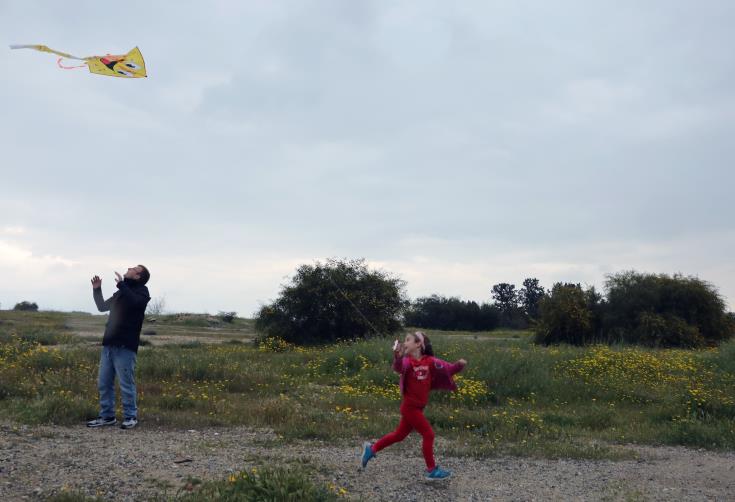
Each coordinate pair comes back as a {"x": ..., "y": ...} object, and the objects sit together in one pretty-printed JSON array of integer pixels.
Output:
[{"x": 130, "y": 65}]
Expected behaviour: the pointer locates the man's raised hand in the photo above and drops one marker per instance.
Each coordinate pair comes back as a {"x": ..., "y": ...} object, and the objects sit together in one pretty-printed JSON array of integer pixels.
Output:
[{"x": 96, "y": 282}]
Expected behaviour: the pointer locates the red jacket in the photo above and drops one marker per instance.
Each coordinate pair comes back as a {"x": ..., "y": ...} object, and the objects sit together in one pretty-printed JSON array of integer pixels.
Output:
[{"x": 441, "y": 373}]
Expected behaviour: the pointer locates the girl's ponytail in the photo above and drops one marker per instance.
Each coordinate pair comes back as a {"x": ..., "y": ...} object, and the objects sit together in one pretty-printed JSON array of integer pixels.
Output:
[{"x": 426, "y": 348}]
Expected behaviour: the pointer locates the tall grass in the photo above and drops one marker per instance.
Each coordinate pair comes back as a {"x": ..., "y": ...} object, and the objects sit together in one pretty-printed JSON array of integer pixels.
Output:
[
  {"x": 257, "y": 484},
  {"x": 266, "y": 483},
  {"x": 44, "y": 328},
  {"x": 514, "y": 397}
]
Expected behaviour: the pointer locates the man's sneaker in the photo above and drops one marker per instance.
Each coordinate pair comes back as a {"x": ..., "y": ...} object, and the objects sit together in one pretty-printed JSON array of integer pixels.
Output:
[
  {"x": 129, "y": 423},
  {"x": 102, "y": 421},
  {"x": 437, "y": 473},
  {"x": 367, "y": 454}
]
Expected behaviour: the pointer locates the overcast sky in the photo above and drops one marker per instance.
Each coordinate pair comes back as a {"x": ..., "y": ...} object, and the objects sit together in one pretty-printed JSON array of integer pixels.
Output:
[{"x": 454, "y": 144}]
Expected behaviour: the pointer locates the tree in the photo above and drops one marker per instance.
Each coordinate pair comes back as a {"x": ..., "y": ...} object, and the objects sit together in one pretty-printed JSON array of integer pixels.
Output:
[
  {"x": 565, "y": 316},
  {"x": 507, "y": 302},
  {"x": 489, "y": 316},
  {"x": 337, "y": 300},
  {"x": 439, "y": 312},
  {"x": 26, "y": 306},
  {"x": 647, "y": 309},
  {"x": 596, "y": 304},
  {"x": 156, "y": 306},
  {"x": 663, "y": 310},
  {"x": 530, "y": 297},
  {"x": 505, "y": 296}
]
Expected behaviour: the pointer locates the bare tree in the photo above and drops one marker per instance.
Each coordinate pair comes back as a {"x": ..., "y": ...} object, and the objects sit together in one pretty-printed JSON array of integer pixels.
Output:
[{"x": 156, "y": 306}]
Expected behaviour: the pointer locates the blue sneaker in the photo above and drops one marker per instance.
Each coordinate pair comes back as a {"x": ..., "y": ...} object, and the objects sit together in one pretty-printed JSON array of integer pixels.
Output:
[
  {"x": 437, "y": 473},
  {"x": 367, "y": 454}
]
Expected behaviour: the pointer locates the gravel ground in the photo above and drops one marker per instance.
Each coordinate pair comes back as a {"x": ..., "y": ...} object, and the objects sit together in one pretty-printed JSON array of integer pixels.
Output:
[{"x": 133, "y": 465}]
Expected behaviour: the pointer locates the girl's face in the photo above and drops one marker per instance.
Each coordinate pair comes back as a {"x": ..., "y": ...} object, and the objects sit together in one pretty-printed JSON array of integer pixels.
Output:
[{"x": 411, "y": 343}]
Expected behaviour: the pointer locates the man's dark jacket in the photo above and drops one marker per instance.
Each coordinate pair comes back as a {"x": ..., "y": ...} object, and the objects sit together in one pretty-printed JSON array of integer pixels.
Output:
[{"x": 127, "y": 310}]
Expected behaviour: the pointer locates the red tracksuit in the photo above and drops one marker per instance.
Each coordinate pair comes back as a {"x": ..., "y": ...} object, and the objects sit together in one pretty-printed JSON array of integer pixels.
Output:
[{"x": 415, "y": 398}]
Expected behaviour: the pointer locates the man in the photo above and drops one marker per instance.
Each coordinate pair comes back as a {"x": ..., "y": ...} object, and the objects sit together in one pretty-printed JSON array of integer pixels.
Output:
[{"x": 120, "y": 344}]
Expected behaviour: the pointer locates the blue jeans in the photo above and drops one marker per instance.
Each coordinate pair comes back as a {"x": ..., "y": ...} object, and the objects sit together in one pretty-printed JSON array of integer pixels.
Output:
[{"x": 121, "y": 362}]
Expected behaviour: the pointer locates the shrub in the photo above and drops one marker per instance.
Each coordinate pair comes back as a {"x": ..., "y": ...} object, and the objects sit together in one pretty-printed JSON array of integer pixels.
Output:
[
  {"x": 267, "y": 483},
  {"x": 647, "y": 309},
  {"x": 665, "y": 331},
  {"x": 664, "y": 310},
  {"x": 337, "y": 300},
  {"x": 227, "y": 316},
  {"x": 26, "y": 306},
  {"x": 565, "y": 316}
]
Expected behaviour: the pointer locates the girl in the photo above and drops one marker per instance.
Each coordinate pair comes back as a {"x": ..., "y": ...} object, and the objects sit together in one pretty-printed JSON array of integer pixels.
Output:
[{"x": 420, "y": 372}]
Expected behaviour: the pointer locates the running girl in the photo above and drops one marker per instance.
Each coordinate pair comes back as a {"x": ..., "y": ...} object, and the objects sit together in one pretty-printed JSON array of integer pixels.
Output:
[{"x": 420, "y": 373}]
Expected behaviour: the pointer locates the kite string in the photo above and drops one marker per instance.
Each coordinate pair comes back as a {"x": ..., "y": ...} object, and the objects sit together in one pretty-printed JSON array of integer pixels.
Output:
[
  {"x": 353, "y": 305},
  {"x": 58, "y": 62}
]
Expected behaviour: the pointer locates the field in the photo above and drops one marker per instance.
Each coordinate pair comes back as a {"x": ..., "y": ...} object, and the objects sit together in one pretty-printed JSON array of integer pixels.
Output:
[{"x": 515, "y": 399}]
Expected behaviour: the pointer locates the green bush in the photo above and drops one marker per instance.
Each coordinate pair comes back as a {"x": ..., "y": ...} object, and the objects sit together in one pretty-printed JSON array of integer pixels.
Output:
[
  {"x": 26, "y": 306},
  {"x": 338, "y": 300},
  {"x": 227, "y": 317},
  {"x": 646, "y": 309},
  {"x": 565, "y": 316},
  {"x": 266, "y": 484},
  {"x": 665, "y": 331},
  {"x": 663, "y": 310}
]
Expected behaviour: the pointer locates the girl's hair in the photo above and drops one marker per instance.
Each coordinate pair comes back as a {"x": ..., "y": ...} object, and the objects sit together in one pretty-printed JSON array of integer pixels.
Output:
[{"x": 426, "y": 350}]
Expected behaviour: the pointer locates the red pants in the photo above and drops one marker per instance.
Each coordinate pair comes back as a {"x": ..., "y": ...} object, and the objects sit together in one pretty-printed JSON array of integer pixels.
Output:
[{"x": 411, "y": 418}]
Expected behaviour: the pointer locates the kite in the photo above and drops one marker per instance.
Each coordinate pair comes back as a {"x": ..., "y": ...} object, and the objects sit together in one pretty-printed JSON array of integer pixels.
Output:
[{"x": 130, "y": 65}]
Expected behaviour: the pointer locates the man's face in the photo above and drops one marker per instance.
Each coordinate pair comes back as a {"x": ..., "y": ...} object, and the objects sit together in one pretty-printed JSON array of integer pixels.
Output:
[{"x": 133, "y": 273}]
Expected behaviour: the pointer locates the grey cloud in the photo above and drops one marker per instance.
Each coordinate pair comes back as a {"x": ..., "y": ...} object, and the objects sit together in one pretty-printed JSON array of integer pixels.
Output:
[{"x": 341, "y": 128}]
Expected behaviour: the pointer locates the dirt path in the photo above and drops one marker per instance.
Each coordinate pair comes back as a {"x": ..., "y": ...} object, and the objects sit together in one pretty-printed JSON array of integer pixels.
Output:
[
  {"x": 133, "y": 465},
  {"x": 91, "y": 329}
]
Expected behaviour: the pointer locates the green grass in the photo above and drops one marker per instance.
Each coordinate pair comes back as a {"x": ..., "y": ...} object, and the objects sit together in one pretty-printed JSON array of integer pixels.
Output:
[
  {"x": 293, "y": 483},
  {"x": 201, "y": 321},
  {"x": 514, "y": 397},
  {"x": 45, "y": 328},
  {"x": 508, "y": 335}
]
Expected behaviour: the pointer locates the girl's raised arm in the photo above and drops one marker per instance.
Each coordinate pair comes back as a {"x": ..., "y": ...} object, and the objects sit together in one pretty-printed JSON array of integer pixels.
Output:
[
  {"x": 397, "y": 357},
  {"x": 457, "y": 366}
]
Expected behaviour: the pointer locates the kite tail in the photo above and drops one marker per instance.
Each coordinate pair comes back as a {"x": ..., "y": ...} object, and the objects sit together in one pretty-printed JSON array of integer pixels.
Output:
[{"x": 44, "y": 48}]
